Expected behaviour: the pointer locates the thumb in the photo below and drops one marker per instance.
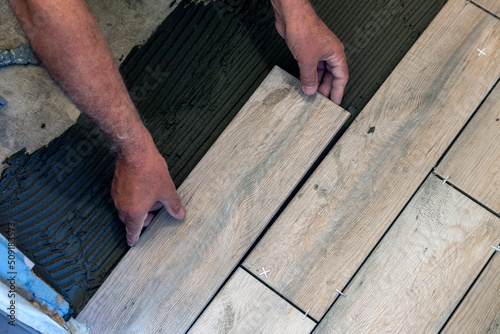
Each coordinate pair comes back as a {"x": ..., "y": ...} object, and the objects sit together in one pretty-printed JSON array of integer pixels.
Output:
[
  {"x": 309, "y": 76},
  {"x": 174, "y": 207}
]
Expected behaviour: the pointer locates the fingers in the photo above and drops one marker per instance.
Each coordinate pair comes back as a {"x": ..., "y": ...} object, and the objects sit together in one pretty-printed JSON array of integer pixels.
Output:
[
  {"x": 321, "y": 72},
  {"x": 329, "y": 82},
  {"x": 134, "y": 219},
  {"x": 157, "y": 206},
  {"x": 340, "y": 75},
  {"x": 149, "y": 218},
  {"x": 337, "y": 92},
  {"x": 138, "y": 192},
  {"x": 152, "y": 213},
  {"x": 133, "y": 226},
  {"x": 171, "y": 200},
  {"x": 309, "y": 75},
  {"x": 135, "y": 223},
  {"x": 325, "y": 86}
]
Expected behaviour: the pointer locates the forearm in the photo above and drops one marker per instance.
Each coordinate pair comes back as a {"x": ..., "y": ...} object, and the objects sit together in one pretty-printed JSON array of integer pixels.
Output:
[{"x": 70, "y": 44}]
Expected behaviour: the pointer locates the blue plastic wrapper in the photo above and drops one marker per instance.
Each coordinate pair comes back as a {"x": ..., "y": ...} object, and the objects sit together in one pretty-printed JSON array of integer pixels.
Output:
[{"x": 2, "y": 103}]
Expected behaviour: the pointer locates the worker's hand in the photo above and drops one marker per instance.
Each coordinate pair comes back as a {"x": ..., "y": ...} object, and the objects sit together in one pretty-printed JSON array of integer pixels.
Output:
[
  {"x": 141, "y": 185},
  {"x": 319, "y": 53},
  {"x": 65, "y": 36}
]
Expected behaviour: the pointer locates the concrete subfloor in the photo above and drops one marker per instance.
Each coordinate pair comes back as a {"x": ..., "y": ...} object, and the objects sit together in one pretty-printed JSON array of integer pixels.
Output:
[{"x": 37, "y": 110}]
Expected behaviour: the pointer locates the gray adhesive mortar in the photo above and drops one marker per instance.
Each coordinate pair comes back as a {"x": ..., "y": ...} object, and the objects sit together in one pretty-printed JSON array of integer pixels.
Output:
[{"x": 188, "y": 81}]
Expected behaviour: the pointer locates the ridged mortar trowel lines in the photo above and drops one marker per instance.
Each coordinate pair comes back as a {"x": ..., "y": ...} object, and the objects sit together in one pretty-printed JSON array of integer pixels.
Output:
[{"x": 68, "y": 225}]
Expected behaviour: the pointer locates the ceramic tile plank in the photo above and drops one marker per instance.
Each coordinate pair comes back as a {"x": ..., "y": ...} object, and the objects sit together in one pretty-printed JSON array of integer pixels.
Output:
[
  {"x": 480, "y": 310},
  {"x": 330, "y": 227},
  {"x": 491, "y": 5},
  {"x": 422, "y": 268},
  {"x": 163, "y": 283},
  {"x": 473, "y": 162},
  {"x": 245, "y": 305}
]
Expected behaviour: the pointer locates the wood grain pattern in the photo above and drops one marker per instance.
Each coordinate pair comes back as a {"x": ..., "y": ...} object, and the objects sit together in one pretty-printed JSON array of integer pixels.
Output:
[
  {"x": 480, "y": 310},
  {"x": 473, "y": 162},
  {"x": 422, "y": 268},
  {"x": 246, "y": 306},
  {"x": 163, "y": 283},
  {"x": 329, "y": 228},
  {"x": 491, "y": 5}
]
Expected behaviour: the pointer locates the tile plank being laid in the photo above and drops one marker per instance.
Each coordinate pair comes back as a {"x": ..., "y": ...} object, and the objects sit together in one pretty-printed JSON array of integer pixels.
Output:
[
  {"x": 422, "y": 268},
  {"x": 491, "y": 5},
  {"x": 163, "y": 283},
  {"x": 245, "y": 305},
  {"x": 344, "y": 208},
  {"x": 473, "y": 162},
  {"x": 479, "y": 312}
]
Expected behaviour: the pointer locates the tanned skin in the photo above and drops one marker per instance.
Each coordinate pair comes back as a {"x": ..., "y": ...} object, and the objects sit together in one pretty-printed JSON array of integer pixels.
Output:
[
  {"x": 319, "y": 53},
  {"x": 67, "y": 39}
]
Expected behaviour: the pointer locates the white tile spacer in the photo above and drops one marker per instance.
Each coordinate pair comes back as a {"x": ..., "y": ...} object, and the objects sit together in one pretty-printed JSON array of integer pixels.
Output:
[
  {"x": 264, "y": 272},
  {"x": 305, "y": 314},
  {"x": 340, "y": 292},
  {"x": 481, "y": 52},
  {"x": 497, "y": 249},
  {"x": 446, "y": 179}
]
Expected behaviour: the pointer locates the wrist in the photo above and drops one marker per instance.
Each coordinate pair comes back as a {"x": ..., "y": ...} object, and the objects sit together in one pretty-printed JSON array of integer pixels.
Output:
[
  {"x": 135, "y": 150},
  {"x": 133, "y": 142},
  {"x": 292, "y": 12}
]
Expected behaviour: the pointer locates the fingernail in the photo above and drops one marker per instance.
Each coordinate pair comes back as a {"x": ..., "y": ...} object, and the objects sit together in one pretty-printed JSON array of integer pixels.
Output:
[
  {"x": 180, "y": 213},
  {"x": 309, "y": 90}
]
